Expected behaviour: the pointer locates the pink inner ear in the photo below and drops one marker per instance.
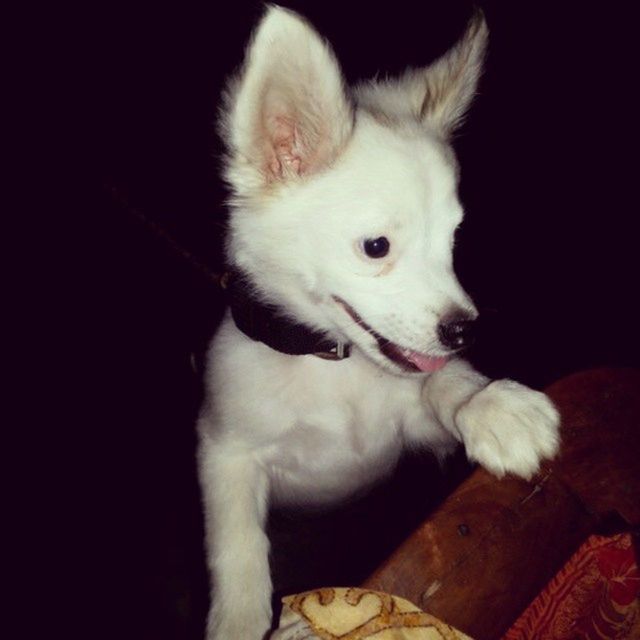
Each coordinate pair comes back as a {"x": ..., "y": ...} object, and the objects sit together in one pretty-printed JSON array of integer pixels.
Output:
[{"x": 285, "y": 149}]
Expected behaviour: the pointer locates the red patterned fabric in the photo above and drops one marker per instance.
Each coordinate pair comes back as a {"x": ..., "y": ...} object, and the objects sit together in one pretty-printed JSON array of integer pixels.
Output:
[{"x": 596, "y": 595}]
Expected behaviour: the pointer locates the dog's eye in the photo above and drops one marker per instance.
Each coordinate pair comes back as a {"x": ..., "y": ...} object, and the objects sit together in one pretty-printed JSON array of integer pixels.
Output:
[{"x": 376, "y": 247}]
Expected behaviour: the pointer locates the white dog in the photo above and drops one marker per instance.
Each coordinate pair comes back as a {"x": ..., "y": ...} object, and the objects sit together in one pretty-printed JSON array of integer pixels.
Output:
[{"x": 346, "y": 317}]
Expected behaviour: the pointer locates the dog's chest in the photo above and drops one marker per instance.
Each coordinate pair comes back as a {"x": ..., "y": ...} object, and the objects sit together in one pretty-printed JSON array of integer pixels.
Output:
[
  {"x": 343, "y": 430},
  {"x": 317, "y": 426}
]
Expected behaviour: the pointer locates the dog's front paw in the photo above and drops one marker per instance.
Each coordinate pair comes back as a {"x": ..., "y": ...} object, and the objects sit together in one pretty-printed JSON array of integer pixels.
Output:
[
  {"x": 251, "y": 626},
  {"x": 509, "y": 428}
]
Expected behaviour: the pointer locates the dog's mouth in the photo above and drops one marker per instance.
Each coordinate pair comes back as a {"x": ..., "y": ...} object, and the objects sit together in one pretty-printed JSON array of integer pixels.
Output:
[{"x": 407, "y": 359}]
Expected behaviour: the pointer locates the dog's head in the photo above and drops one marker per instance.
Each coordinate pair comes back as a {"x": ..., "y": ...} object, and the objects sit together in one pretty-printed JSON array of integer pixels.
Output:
[{"x": 345, "y": 201}]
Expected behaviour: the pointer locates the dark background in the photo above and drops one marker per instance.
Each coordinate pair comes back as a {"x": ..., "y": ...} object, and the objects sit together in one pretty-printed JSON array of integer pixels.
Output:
[{"x": 548, "y": 157}]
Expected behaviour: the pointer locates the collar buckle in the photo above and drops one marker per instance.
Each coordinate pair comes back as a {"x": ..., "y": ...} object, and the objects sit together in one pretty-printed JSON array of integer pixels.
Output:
[{"x": 339, "y": 352}]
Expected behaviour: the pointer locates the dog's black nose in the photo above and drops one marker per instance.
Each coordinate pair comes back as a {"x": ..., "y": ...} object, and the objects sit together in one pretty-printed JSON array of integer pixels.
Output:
[{"x": 456, "y": 332}]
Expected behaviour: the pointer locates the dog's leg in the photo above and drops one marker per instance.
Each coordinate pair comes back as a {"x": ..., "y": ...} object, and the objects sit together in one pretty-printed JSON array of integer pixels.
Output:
[
  {"x": 235, "y": 492},
  {"x": 505, "y": 426}
]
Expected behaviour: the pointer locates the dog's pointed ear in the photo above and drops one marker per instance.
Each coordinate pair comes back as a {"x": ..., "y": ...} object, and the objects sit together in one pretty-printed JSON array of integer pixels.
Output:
[
  {"x": 438, "y": 95},
  {"x": 451, "y": 81},
  {"x": 287, "y": 114}
]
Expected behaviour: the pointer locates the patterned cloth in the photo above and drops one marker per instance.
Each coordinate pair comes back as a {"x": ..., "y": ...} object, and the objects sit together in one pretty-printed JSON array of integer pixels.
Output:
[
  {"x": 596, "y": 595},
  {"x": 356, "y": 614}
]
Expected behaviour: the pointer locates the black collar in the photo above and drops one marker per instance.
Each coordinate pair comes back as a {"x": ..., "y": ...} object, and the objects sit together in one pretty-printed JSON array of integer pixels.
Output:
[{"x": 266, "y": 323}]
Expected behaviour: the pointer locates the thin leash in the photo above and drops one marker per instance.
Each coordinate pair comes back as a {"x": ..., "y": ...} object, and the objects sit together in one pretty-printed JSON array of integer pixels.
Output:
[{"x": 118, "y": 197}]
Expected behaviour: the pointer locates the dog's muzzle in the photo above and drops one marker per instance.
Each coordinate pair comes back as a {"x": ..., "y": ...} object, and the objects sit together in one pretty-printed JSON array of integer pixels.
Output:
[{"x": 403, "y": 357}]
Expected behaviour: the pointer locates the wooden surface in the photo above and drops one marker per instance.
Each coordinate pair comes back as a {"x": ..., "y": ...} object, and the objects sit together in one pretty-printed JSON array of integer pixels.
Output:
[
  {"x": 479, "y": 560},
  {"x": 600, "y": 459}
]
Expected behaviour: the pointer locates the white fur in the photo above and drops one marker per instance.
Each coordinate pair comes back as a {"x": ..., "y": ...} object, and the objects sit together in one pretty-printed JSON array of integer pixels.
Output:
[{"x": 316, "y": 169}]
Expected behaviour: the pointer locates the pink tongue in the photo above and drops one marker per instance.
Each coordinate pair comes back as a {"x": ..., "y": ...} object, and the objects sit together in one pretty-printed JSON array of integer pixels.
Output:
[{"x": 425, "y": 363}]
